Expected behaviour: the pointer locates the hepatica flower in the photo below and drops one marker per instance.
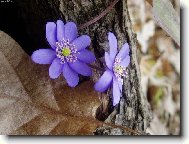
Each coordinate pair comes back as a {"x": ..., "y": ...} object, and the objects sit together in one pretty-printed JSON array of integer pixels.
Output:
[
  {"x": 116, "y": 63},
  {"x": 68, "y": 54}
]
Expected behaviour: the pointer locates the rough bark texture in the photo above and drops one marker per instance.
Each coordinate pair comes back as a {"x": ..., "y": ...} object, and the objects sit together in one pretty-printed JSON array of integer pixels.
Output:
[{"x": 133, "y": 110}]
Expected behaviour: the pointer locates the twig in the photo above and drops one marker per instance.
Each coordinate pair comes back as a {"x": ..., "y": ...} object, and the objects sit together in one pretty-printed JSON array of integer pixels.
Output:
[{"x": 108, "y": 9}]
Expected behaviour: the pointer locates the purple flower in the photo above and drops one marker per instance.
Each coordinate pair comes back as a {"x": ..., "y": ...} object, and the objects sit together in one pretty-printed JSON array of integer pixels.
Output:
[
  {"x": 68, "y": 54},
  {"x": 116, "y": 69}
]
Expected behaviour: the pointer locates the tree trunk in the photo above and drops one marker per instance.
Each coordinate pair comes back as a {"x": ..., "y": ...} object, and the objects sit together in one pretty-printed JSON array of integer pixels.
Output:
[{"x": 133, "y": 110}]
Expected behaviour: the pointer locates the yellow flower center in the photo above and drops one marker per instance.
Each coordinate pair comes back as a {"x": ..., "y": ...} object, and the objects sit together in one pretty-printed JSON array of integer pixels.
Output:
[
  {"x": 118, "y": 69},
  {"x": 66, "y": 51}
]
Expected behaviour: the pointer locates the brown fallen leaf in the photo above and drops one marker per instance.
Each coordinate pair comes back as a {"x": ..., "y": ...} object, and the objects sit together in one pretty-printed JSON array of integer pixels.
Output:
[
  {"x": 150, "y": 2},
  {"x": 33, "y": 104},
  {"x": 167, "y": 18}
]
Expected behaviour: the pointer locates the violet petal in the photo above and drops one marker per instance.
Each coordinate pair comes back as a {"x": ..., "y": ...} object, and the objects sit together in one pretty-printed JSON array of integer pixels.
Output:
[
  {"x": 43, "y": 56},
  {"x": 81, "y": 68},
  {"x": 113, "y": 45},
  {"x": 125, "y": 62},
  {"x": 108, "y": 61},
  {"x": 55, "y": 69},
  {"x": 82, "y": 42},
  {"x": 86, "y": 56},
  {"x": 51, "y": 34},
  {"x": 71, "y": 76},
  {"x": 104, "y": 82},
  {"x": 120, "y": 85},
  {"x": 124, "y": 51},
  {"x": 116, "y": 92},
  {"x": 60, "y": 30},
  {"x": 70, "y": 31}
]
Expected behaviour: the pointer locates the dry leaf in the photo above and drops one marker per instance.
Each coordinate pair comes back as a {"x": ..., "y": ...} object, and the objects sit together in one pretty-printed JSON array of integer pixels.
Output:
[
  {"x": 33, "y": 104},
  {"x": 144, "y": 35},
  {"x": 167, "y": 18}
]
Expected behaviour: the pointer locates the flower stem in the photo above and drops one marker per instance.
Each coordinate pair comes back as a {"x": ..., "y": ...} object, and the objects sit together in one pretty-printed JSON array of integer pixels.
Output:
[{"x": 108, "y": 9}]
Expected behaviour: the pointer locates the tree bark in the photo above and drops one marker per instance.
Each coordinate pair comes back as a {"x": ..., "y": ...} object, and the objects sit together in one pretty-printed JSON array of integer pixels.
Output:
[{"x": 133, "y": 110}]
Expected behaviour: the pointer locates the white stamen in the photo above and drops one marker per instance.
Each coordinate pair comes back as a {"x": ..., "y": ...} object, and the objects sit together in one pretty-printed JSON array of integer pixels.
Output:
[{"x": 66, "y": 44}]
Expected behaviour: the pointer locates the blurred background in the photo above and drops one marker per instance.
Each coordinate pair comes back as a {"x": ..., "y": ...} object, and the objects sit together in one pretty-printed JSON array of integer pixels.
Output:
[{"x": 159, "y": 59}]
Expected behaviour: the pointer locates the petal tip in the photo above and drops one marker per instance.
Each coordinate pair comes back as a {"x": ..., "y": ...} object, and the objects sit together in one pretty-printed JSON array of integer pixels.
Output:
[
  {"x": 52, "y": 76},
  {"x": 127, "y": 47},
  {"x": 88, "y": 39},
  {"x": 89, "y": 73},
  {"x": 73, "y": 85},
  {"x": 50, "y": 23},
  {"x": 43, "y": 56},
  {"x": 93, "y": 59},
  {"x": 96, "y": 87},
  {"x": 59, "y": 21},
  {"x": 34, "y": 57},
  {"x": 115, "y": 103},
  {"x": 55, "y": 69},
  {"x": 72, "y": 24},
  {"x": 110, "y": 33},
  {"x": 82, "y": 42}
]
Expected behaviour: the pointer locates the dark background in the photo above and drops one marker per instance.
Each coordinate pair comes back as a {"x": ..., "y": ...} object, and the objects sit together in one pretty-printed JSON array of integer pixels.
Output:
[
  {"x": 15, "y": 21},
  {"x": 11, "y": 24}
]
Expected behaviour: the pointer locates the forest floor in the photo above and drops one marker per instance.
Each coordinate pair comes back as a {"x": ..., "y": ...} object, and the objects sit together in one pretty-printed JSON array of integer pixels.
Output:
[{"x": 159, "y": 59}]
